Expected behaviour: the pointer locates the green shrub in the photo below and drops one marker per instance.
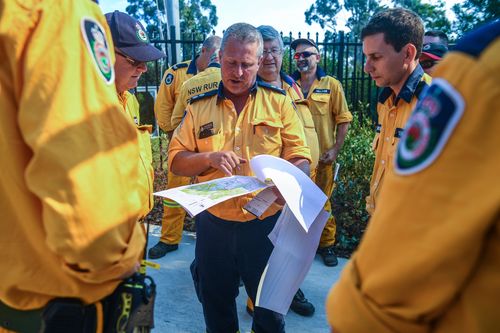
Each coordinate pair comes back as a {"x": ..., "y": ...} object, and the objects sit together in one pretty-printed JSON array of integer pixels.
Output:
[{"x": 353, "y": 184}]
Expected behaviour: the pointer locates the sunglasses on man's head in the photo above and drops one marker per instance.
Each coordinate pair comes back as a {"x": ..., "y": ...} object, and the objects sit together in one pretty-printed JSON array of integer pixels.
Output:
[
  {"x": 305, "y": 54},
  {"x": 426, "y": 64},
  {"x": 135, "y": 63}
]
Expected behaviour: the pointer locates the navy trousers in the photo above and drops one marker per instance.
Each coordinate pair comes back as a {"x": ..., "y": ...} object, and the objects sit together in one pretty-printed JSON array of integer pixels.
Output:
[{"x": 226, "y": 251}]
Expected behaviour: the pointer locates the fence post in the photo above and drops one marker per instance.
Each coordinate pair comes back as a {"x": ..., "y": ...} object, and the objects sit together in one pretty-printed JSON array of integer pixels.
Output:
[
  {"x": 340, "y": 60},
  {"x": 173, "y": 44}
]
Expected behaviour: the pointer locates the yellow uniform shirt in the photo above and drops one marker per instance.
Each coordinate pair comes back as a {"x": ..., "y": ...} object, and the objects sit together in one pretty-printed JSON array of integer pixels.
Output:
[
  {"x": 268, "y": 124},
  {"x": 199, "y": 84},
  {"x": 393, "y": 112},
  {"x": 69, "y": 201},
  {"x": 430, "y": 258},
  {"x": 293, "y": 91},
  {"x": 131, "y": 107},
  {"x": 328, "y": 107},
  {"x": 169, "y": 91}
]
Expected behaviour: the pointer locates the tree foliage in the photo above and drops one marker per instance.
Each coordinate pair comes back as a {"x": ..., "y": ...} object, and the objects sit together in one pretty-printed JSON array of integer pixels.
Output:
[
  {"x": 360, "y": 13},
  {"x": 324, "y": 13},
  {"x": 199, "y": 16},
  {"x": 473, "y": 13},
  {"x": 433, "y": 15}
]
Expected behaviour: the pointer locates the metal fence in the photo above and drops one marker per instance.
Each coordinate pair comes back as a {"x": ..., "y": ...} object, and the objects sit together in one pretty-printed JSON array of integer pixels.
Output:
[{"x": 341, "y": 57}]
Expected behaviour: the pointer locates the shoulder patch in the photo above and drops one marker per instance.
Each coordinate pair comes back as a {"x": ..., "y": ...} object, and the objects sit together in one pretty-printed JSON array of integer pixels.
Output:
[
  {"x": 475, "y": 42},
  {"x": 179, "y": 65},
  {"x": 271, "y": 87},
  {"x": 429, "y": 128},
  {"x": 202, "y": 96},
  {"x": 169, "y": 78},
  {"x": 98, "y": 47}
]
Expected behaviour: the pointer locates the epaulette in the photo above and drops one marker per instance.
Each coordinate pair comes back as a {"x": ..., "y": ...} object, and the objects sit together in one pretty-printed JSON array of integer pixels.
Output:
[
  {"x": 420, "y": 88},
  {"x": 203, "y": 95},
  {"x": 477, "y": 41},
  {"x": 179, "y": 65},
  {"x": 271, "y": 87}
]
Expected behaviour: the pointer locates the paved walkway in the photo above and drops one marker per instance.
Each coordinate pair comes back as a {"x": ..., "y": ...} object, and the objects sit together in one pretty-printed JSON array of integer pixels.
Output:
[{"x": 178, "y": 310}]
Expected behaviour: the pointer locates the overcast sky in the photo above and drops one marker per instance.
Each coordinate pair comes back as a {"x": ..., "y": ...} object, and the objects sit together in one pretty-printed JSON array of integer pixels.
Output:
[{"x": 283, "y": 15}]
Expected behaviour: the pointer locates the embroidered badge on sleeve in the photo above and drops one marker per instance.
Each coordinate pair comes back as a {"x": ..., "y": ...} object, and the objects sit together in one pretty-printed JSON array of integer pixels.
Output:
[{"x": 429, "y": 128}]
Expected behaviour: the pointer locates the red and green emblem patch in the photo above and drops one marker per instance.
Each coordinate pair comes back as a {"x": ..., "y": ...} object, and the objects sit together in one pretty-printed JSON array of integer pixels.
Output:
[
  {"x": 429, "y": 127},
  {"x": 97, "y": 45}
]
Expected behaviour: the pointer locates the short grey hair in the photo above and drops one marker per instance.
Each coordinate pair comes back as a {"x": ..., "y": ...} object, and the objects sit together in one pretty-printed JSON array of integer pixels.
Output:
[
  {"x": 270, "y": 34},
  {"x": 212, "y": 42},
  {"x": 245, "y": 33}
]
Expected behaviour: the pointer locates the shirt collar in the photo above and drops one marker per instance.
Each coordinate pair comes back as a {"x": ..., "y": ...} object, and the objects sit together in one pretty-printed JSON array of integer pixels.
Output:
[
  {"x": 214, "y": 64},
  {"x": 285, "y": 77},
  {"x": 320, "y": 73},
  {"x": 407, "y": 91},
  {"x": 220, "y": 90},
  {"x": 192, "y": 67}
]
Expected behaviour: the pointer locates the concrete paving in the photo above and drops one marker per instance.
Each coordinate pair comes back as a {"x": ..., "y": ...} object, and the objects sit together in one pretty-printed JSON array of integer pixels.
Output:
[{"x": 177, "y": 309}]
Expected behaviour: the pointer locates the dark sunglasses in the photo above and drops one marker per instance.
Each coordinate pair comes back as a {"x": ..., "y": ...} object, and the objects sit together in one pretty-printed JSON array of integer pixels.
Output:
[
  {"x": 135, "y": 63},
  {"x": 305, "y": 54},
  {"x": 426, "y": 64}
]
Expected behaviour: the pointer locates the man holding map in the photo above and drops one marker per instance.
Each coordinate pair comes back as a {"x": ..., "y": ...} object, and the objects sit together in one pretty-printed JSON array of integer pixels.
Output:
[{"x": 218, "y": 135}]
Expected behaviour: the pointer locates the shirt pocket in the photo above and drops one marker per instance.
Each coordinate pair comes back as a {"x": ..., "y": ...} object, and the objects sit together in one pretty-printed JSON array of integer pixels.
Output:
[
  {"x": 210, "y": 143},
  {"x": 266, "y": 138},
  {"x": 321, "y": 101}
]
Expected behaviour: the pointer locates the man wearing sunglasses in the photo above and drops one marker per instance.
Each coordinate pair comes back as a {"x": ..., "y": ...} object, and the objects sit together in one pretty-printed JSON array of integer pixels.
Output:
[
  {"x": 331, "y": 119},
  {"x": 173, "y": 214},
  {"x": 133, "y": 51}
]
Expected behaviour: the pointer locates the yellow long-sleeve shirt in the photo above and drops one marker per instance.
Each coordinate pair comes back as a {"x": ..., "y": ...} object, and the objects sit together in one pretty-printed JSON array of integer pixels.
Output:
[
  {"x": 69, "y": 201},
  {"x": 430, "y": 258}
]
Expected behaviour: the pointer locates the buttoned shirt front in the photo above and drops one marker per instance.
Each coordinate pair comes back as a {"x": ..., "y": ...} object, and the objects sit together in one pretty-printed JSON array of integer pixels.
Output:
[
  {"x": 293, "y": 91},
  {"x": 328, "y": 107},
  {"x": 131, "y": 107},
  {"x": 267, "y": 124},
  {"x": 393, "y": 112}
]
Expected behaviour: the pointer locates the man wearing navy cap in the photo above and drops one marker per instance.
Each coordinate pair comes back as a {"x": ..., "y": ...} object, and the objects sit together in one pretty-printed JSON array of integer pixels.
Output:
[
  {"x": 431, "y": 55},
  {"x": 133, "y": 51}
]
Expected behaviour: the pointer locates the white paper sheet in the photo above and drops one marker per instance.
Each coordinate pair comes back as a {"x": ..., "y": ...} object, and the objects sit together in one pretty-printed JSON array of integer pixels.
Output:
[
  {"x": 291, "y": 259},
  {"x": 302, "y": 195}
]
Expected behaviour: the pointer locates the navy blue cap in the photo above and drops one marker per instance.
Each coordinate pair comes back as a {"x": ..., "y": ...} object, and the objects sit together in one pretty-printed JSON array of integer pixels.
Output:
[
  {"x": 129, "y": 36},
  {"x": 434, "y": 51}
]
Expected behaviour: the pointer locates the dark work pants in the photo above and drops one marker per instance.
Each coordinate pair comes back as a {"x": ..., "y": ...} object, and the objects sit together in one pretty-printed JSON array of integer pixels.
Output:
[{"x": 226, "y": 251}]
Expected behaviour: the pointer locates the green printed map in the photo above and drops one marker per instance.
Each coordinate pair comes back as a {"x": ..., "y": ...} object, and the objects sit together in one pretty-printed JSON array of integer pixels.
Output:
[{"x": 224, "y": 187}]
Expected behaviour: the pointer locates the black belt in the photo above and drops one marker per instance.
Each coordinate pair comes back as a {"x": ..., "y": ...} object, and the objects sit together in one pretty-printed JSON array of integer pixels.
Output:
[{"x": 59, "y": 315}]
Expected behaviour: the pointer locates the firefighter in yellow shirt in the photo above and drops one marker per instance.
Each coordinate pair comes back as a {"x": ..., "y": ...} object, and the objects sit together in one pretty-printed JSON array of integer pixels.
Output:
[
  {"x": 430, "y": 258},
  {"x": 205, "y": 82},
  {"x": 133, "y": 50},
  {"x": 392, "y": 43},
  {"x": 270, "y": 72},
  {"x": 331, "y": 118},
  {"x": 217, "y": 137},
  {"x": 69, "y": 197},
  {"x": 168, "y": 94}
]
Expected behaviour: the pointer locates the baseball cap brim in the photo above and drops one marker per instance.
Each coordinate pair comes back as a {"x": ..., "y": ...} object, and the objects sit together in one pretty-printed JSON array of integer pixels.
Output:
[
  {"x": 426, "y": 55},
  {"x": 144, "y": 53},
  {"x": 299, "y": 41}
]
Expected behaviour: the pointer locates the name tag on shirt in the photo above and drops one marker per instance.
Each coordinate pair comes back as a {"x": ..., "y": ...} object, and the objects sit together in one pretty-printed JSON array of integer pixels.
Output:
[{"x": 321, "y": 91}]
